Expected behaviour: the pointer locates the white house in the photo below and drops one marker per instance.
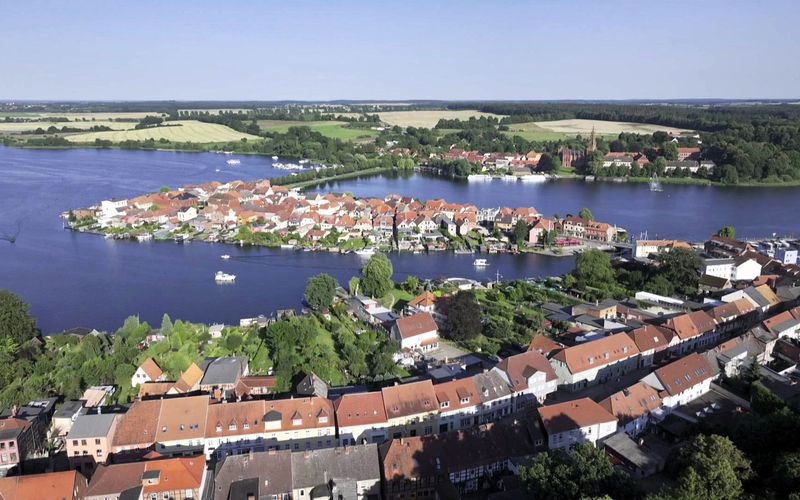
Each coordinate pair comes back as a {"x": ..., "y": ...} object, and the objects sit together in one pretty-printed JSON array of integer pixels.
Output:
[
  {"x": 215, "y": 331},
  {"x": 187, "y": 213},
  {"x": 148, "y": 371},
  {"x": 595, "y": 361},
  {"x": 529, "y": 375},
  {"x": 746, "y": 268},
  {"x": 416, "y": 332},
  {"x": 632, "y": 407},
  {"x": 458, "y": 404},
  {"x": 683, "y": 380},
  {"x": 721, "y": 268},
  {"x": 112, "y": 207},
  {"x": 576, "y": 422},
  {"x": 361, "y": 418}
]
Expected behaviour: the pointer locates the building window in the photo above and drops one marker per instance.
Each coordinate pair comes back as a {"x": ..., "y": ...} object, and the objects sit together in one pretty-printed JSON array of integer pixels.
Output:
[
  {"x": 83, "y": 442},
  {"x": 99, "y": 453},
  {"x": 96, "y": 441}
]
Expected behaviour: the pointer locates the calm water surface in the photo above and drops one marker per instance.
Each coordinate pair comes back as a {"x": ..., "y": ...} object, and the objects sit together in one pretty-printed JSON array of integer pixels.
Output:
[{"x": 73, "y": 279}]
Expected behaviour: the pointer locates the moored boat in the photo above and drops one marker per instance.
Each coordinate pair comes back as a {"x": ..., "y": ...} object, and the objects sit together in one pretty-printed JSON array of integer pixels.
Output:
[{"x": 221, "y": 277}]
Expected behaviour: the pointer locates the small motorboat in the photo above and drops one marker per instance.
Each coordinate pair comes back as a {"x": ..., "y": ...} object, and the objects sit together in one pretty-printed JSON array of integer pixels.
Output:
[
  {"x": 233, "y": 161},
  {"x": 480, "y": 263},
  {"x": 365, "y": 252},
  {"x": 274, "y": 157},
  {"x": 221, "y": 277},
  {"x": 224, "y": 256}
]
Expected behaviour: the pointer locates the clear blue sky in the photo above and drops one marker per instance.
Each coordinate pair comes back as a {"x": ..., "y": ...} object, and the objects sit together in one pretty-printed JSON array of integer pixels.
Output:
[{"x": 315, "y": 50}]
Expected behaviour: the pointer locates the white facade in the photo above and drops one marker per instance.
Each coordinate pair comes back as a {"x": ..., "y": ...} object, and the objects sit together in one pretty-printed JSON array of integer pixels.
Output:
[
  {"x": 721, "y": 268},
  {"x": 599, "y": 373},
  {"x": 356, "y": 434},
  {"x": 429, "y": 339},
  {"x": 589, "y": 434},
  {"x": 747, "y": 270}
]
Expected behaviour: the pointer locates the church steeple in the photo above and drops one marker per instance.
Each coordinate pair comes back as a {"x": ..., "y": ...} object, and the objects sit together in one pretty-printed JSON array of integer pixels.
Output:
[{"x": 593, "y": 145}]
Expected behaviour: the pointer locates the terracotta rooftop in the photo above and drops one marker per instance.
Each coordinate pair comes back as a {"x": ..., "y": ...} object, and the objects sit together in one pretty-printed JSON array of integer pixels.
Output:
[
  {"x": 632, "y": 403},
  {"x": 457, "y": 394},
  {"x": 151, "y": 368},
  {"x": 544, "y": 345},
  {"x": 182, "y": 418},
  {"x": 189, "y": 379},
  {"x": 521, "y": 366},
  {"x": 232, "y": 419},
  {"x": 684, "y": 373},
  {"x": 575, "y": 414},
  {"x": 137, "y": 428},
  {"x": 49, "y": 486},
  {"x": 426, "y": 299},
  {"x": 651, "y": 337},
  {"x": 597, "y": 353},
  {"x": 411, "y": 326},
  {"x": 364, "y": 408},
  {"x": 311, "y": 412},
  {"x": 404, "y": 400}
]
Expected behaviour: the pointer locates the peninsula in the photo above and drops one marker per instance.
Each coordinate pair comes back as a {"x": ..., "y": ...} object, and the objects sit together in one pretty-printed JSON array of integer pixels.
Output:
[{"x": 259, "y": 213}]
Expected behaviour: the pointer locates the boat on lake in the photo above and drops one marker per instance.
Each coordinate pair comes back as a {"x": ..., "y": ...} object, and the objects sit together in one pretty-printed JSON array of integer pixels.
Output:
[
  {"x": 233, "y": 161},
  {"x": 478, "y": 177},
  {"x": 463, "y": 252},
  {"x": 655, "y": 184},
  {"x": 221, "y": 277},
  {"x": 274, "y": 157},
  {"x": 480, "y": 263},
  {"x": 225, "y": 256},
  {"x": 366, "y": 252},
  {"x": 534, "y": 178}
]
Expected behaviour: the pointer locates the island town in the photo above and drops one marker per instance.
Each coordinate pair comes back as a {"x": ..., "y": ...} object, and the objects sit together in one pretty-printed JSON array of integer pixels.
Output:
[
  {"x": 257, "y": 212},
  {"x": 481, "y": 383}
]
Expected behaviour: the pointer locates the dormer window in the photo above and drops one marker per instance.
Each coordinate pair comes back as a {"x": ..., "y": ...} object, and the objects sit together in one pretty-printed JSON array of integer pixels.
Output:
[
  {"x": 246, "y": 425},
  {"x": 232, "y": 426},
  {"x": 219, "y": 428},
  {"x": 297, "y": 421},
  {"x": 465, "y": 400},
  {"x": 444, "y": 404},
  {"x": 323, "y": 419}
]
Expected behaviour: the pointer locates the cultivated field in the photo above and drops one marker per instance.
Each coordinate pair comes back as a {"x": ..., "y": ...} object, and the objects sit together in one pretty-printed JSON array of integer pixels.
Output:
[
  {"x": 427, "y": 118},
  {"x": 332, "y": 129},
  {"x": 183, "y": 131},
  {"x": 11, "y": 127},
  {"x": 84, "y": 116},
  {"x": 574, "y": 127}
]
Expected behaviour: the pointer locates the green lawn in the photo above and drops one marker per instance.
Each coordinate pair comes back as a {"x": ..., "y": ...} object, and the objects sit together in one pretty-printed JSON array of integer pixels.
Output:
[{"x": 332, "y": 129}]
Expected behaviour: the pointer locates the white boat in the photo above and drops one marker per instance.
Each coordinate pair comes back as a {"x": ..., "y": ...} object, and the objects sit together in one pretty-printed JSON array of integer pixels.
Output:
[
  {"x": 216, "y": 170},
  {"x": 233, "y": 161},
  {"x": 509, "y": 178},
  {"x": 533, "y": 178},
  {"x": 655, "y": 184},
  {"x": 274, "y": 157},
  {"x": 480, "y": 263},
  {"x": 286, "y": 246},
  {"x": 224, "y": 256},
  {"x": 478, "y": 177},
  {"x": 463, "y": 252},
  {"x": 366, "y": 252},
  {"x": 221, "y": 277}
]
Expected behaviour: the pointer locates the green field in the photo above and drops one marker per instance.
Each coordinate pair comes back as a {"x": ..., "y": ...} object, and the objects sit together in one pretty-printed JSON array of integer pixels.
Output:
[
  {"x": 428, "y": 118},
  {"x": 332, "y": 129},
  {"x": 532, "y": 131},
  {"x": 15, "y": 128},
  {"x": 179, "y": 131}
]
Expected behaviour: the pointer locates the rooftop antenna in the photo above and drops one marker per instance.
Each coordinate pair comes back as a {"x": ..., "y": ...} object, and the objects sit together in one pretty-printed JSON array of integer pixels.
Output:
[{"x": 498, "y": 276}]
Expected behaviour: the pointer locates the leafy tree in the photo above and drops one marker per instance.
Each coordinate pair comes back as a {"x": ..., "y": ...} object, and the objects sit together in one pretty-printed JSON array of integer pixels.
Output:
[
  {"x": 659, "y": 285},
  {"x": 585, "y": 213},
  {"x": 15, "y": 321},
  {"x": 681, "y": 267},
  {"x": 584, "y": 472},
  {"x": 727, "y": 232},
  {"x": 763, "y": 401},
  {"x": 549, "y": 163},
  {"x": 353, "y": 285},
  {"x": 786, "y": 476},
  {"x": 411, "y": 284},
  {"x": 320, "y": 291},
  {"x": 376, "y": 279},
  {"x": 233, "y": 342},
  {"x": 710, "y": 467},
  {"x": 729, "y": 175},
  {"x": 164, "y": 189},
  {"x": 463, "y": 315},
  {"x": 521, "y": 233},
  {"x": 670, "y": 151},
  {"x": 593, "y": 268},
  {"x": 166, "y": 325}
]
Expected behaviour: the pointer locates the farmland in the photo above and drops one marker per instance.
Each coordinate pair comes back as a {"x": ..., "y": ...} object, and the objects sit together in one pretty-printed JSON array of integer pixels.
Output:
[
  {"x": 427, "y": 118},
  {"x": 178, "y": 131},
  {"x": 574, "y": 127},
  {"x": 74, "y": 117},
  {"x": 16, "y": 128},
  {"x": 332, "y": 129}
]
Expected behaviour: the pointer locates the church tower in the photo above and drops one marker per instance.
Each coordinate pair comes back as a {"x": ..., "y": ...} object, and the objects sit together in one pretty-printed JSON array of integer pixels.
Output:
[{"x": 593, "y": 145}]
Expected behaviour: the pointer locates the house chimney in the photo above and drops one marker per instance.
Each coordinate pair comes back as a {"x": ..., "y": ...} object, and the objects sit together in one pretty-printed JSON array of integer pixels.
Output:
[{"x": 14, "y": 411}]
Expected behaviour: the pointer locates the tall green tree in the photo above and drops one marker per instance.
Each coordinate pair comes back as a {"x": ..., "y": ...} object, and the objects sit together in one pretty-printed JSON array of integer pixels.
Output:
[
  {"x": 376, "y": 276},
  {"x": 521, "y": 233},
  {"x": 463, "y": 314},
  {"x": 727, "y": 232},
  {"x": 320, "y": 291},
  {"x": 166, "y": 325},
  {"x": 585, "y": 213},
  {"x": 549, "y": 163},
  {"x": 15, "y": 320},
  {"x": 584, "y": 472},
  {"x": 681, "y": 267}
]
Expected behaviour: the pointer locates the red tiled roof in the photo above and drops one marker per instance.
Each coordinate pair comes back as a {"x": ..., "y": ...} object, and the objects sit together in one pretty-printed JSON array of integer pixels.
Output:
[
  {"x": 365, "y": 408},
  {"x": 632, "y": 403},
  {"x": 521, "y": 366},
  {"x": 409, "y": 399},
  {"x": 597, "y": 353},
  {"x": 411, "y": 326},
  {"x": 573, "y": 415}
]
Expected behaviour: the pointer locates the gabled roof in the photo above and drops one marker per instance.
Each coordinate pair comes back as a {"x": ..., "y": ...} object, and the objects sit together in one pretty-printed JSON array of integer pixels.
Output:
[
  {"x": 520, "y": 367},
  {"x": 404, "y": 400},
  {"x": 491, "y": 386},
  {"x": 307, "y": 409},
  {"x": 91, "y": 426},
  {"x": 632, "y": 403},
  {"x": 189, "y": 379},
  {"x": 222, "y": 371},
  {"x": 544, "y": 345},
  {"x": 233, "y": 419},
  {"x": 597, "y": 353},
  {"x": 361, "y": 408},
  {"x": 174, "y": 474},
  {"x": 182, "y": 418},
  {"x": 426, "y": 299},
  {"x": 315, "y": 467},
  {"x": 138, "y": 426},
  {"x": 411, "y": 326},
  {"x": 453, "y": 392},
  {"x": 49, "y": 486},
  {"x": 731, "y": 310},
  {"x": 651, "y": 337},
  {"x": 151, "y": 368},
  {"x": 574, "y": 414},
  {"x": 263, "y": 474},
  {"x": 682, "y": 374}
]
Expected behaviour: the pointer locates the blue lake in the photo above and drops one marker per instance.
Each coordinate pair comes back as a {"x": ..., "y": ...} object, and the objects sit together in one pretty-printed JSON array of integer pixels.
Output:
[{"x": 73, "y": 279}]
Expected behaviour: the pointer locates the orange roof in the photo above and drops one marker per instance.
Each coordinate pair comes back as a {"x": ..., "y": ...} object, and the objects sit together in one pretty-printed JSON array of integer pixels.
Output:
[
  {"x": 189, "y": 379},
  {"x": 137, "y": 428},
  {"x": 175, "y": 474},
  {"x": 182, "y": 418},
  {"x": 457, "y": 394},
  {"x": 573, "y": 415},
  {"x": 691, "y": 324},
  {"x": 651, "y": 337},
  {"x": 684, "y": 373},
  {"x": 632, "y": 403},
  {"x": 544, "y": 345},
  {"x": 768, "y": 294},
  {"x": 411, "y": 326},
  {"x": 313, "y": 412},
  {"x": 364, "y": 408},
  {"x": 154, "y": 388},
  {"x": 49, "y": 486},
  {"x": 775, "y": 321},
  {"x": 597, "y": 353},
  {"x": 426, "y": 299},
  {"x": 521, "y": 366},
  {"x": 151, "y": 369},
  {"x": 404, "y": 400},
  {"x": 232, "y": 419},
  {"x": 726, "y": 312}
]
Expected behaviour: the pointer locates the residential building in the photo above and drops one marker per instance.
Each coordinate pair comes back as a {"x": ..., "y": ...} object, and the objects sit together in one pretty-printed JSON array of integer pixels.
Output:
[
  {"x": 575, "y": 422},
  {"x": 299, "y": 423},
  {"x": 411, "y": 409},
  {"x": 266, "y": 475},
  {"x": 416, "y": 332},
  {"x": 645, "y": 248},
  {"x": 652, "y": 342},
  {"x": 16, "y": 443},
  {"x": 171, "y": 478},
  {"x": 346, "y": 472},
  {"x": 89, "y": 441},
  {"x": 254, "y": 385},
  {"x": 632, "y": 407},
  {"x": 223, "y": 373},
  {"x": 458, "y": 404},
  {"x": 361, "y": 418},
  {"x": 693, "y": 331},
  {"x": 66, "y": 485},
  {"x": 682, "y": 381},
  {"x": 530, "y": 376},
  {"x": 148, "y": 371},
  {"x": 64, "y": 417},
  {"x": 718, "y": 267},
  {"x": 497, "y": 397},
  {"x": 595, "y": 361}
]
